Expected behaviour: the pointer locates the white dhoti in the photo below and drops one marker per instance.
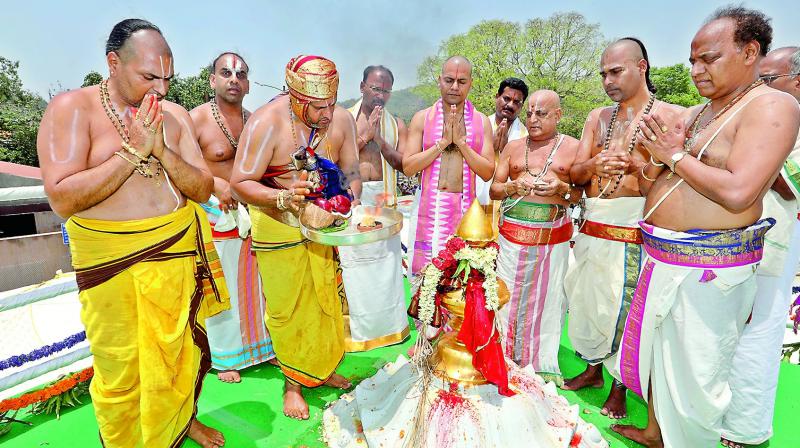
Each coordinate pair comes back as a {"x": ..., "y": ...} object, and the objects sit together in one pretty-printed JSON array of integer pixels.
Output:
[
  {"x": 534, "y": 251},
  {"x": 600, "y": 283},
  {"x": 694, "y": 295},
  {"x": 754, "y": 376},
  {"x": 373, "y": 281},
  {"x": 238, "y": 337}
]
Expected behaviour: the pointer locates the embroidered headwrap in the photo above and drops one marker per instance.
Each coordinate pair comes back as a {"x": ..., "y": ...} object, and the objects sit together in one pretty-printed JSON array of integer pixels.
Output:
[{"x": 310, "y": 78}]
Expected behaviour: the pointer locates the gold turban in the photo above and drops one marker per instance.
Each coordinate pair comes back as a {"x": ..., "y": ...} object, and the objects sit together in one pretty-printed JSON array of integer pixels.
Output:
[{"x": 310, "y": 78}]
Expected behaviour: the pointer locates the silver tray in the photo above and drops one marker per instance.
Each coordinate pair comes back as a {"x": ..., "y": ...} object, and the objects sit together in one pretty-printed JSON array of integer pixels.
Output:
[{"x": 391, "y": 219}]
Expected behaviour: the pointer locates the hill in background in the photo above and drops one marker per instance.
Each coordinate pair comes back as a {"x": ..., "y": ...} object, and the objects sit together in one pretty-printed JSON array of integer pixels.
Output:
[{"x": 403, "y": 103}]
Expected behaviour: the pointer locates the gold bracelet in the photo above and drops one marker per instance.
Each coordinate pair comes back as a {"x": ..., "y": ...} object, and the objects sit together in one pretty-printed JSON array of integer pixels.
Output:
[
  {"x": 645, "y": 175},
  {"x": 505, "y": 189},
  {"x": 653, "y": 162},
  {"x": 122, "y": 156},
  {"x": 283, "y": 195},
  {"x": 133, "y": 151}
]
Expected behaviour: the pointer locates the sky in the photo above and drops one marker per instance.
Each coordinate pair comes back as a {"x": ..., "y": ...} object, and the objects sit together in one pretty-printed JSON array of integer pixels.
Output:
[{"x": 57, "y": 43}]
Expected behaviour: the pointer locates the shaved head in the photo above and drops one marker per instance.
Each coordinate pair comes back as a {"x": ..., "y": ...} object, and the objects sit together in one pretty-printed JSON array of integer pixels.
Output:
[
  {"x": 783, "y": 57},
  {"x": 625, "y": 49},
  {"x": 628, "y": 53},
  {"x": 456, "y": 62},
  {"x": 780, "y": 69},
  {"x": 544, "y": 99},
  {"x": 150, "y": 41},
  {"x": 544, "y": 113},
  {"x": 455, "y": 80}
]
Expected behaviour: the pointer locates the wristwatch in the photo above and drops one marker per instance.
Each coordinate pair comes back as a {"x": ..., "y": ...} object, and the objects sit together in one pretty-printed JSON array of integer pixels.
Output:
[{"x": 677, "y": 157}]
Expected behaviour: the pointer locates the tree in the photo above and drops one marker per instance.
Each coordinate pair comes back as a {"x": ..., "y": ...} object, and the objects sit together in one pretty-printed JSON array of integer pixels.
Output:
[
  {"x": 560, "y": 53},
  {"x": 20, "y": 114},
  {"x": 92, "y": 79},
  {"x": 674, "y": 85},
  {"x": 190, "y": 91}
]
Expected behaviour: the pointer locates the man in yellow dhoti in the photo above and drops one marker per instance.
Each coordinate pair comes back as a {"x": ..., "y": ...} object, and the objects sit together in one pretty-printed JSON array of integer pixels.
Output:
[
  {"x": 304, "y": 315},
  {"x": 125, "y": 167}
]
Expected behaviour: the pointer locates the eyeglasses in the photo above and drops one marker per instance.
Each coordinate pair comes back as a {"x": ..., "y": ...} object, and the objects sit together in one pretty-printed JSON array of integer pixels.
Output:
[
  {"x": 769, "y": 78},
  {"x": 376, "y": 90}
]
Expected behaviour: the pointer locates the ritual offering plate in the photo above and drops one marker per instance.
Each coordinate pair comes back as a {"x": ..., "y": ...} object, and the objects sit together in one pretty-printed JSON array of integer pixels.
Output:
[{"x": 367, "y": 224}]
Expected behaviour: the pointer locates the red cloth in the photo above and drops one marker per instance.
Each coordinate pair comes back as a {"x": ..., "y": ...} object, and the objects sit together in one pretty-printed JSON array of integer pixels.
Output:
[{"x": 478, "y": 325}]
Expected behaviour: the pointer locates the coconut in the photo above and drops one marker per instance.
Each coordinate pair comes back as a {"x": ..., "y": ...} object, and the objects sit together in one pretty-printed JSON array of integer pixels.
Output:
[{"x": 315, "y": 217}]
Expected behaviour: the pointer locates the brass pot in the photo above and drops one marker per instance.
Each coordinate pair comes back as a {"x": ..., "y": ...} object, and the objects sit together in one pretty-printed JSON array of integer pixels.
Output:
[{"x": 451, "y": 359}]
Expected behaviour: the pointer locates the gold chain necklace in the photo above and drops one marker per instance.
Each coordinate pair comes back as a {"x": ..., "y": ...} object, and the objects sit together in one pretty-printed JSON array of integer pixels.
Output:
[
  {"x": 689, "y": 142},
  {"x": 618, "y": 179},
  {"x": 143, "y": 167},
  {"x": 547, "y": 163},
  {"x": 215, "y": 112}
]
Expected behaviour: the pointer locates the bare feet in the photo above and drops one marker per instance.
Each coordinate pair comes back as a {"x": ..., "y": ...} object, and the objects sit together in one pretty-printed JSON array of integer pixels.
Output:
[
  {"x": 294, "y": 405},
  {"x": 338, "y": 382},
  {"x": 205, "y": 436},
  {"x": 638, "y": 435},
  {"x": 732, "y": 444},
  {"x": 615, "y": 406},
  {"x": 591, "y": 377},
  {"x": 229, "y": 376}
]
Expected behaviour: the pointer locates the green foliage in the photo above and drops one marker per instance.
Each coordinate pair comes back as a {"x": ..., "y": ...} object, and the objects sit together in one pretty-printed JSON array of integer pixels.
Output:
[
  {"x": 20, "y": 114},
  {"x": 68, "y": 398},
  {"x": 674, "y": 85},
  {"x": 560, "y": 53},
  {"x": 190, "y": 91},
  {"x": 92, "y": 79}
]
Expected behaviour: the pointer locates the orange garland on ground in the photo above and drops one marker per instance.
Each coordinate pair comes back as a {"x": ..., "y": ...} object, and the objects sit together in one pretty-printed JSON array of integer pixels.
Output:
[{"x": 58, "y": 388}]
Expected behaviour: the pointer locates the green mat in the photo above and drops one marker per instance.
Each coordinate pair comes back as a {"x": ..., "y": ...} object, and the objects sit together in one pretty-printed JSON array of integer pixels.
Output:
[{"x": 250, "y": 413}]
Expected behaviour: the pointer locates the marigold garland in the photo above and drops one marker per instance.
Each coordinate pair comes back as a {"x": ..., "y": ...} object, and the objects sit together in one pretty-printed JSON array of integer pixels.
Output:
[{"x": 58, "y": 388}]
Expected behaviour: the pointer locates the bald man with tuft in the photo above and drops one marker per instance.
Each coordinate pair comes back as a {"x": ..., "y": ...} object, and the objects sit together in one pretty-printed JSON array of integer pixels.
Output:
[
  {"x": 533, "y": 180},
  {"x": 450, "y": 143}
]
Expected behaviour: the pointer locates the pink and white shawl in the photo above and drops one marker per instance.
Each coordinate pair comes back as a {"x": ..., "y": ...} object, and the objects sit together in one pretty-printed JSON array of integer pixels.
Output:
[{"x": 439, "y": 212}]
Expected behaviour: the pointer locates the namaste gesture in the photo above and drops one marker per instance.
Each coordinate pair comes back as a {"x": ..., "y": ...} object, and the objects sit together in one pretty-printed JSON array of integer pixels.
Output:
[
  {"x": 454, "y": 131},
  {"x": 146, "y": 131}
]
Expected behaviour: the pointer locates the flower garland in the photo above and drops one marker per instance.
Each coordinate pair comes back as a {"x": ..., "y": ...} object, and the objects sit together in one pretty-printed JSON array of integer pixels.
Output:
[
  {"x": 46, "y": 393},
  {"x": 455, "y": 259},
  {"x": 39, "y": 353}
]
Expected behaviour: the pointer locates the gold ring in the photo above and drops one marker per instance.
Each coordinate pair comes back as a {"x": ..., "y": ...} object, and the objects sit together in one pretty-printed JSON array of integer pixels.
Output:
[
  {"x": 146, "y": 122},
  {"x": 653, "y": 138},
  {"x": 664, "y": 129}
]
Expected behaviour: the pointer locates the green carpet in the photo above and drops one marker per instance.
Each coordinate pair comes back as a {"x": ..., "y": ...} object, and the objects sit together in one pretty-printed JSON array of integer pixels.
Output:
[{"x": 250, "y": 413}]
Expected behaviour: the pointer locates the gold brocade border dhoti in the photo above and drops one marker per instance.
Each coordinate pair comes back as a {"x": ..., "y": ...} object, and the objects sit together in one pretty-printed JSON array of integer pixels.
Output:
[
  {"x": 304, "y": 314},
  {"x": 142, "y": 286}
]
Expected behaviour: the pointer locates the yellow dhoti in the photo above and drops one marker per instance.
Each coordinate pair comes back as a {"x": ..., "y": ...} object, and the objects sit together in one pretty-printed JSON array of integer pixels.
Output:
[
  {"x": 142, "y": 286},
  {"x": 304, "y": 315}
]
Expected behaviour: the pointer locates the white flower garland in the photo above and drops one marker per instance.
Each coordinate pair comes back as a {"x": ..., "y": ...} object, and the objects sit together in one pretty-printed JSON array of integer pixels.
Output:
[
  {"x": 427, "y": 293},
  {"x": 482, "y": 259}
]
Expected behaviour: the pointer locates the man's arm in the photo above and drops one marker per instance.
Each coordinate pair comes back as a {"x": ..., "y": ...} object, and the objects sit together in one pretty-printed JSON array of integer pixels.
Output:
[
  {"x": 585, "y": 165},
  {"x": 764, "y": 138},
  {"x": 394, "y": 156},
  {"x": 348, "y": 153},
  {"x": 499, "y": 189},
  {"x": 63, "y": 147},
  {"x": 414, "y": 158},
  {"x": 481, "y": 163},
  {"x": 782, "y": 188},
  {"x": 222, "y": 187},
  {"x": 184, "y": 164}
]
